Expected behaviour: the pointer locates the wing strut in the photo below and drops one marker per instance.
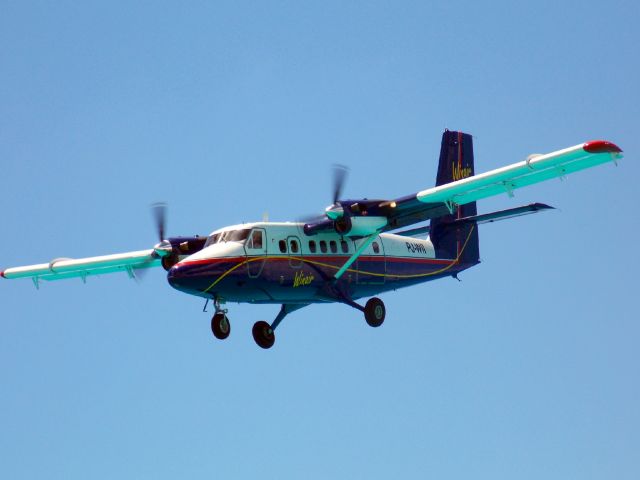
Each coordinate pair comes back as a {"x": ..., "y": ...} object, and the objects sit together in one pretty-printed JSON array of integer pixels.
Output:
[{"x": 355, "y": 256}]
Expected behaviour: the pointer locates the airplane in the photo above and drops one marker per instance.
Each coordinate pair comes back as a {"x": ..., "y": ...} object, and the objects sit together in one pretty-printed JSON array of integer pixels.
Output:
[{"x": 358, "y": 248}]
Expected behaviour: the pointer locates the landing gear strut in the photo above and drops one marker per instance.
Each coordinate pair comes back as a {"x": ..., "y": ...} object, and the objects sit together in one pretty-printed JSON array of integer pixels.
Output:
[
  {"x": 374, "y": 310},
  {"x": 220, "y": 325},
  {"x": 263, "y": 333}
]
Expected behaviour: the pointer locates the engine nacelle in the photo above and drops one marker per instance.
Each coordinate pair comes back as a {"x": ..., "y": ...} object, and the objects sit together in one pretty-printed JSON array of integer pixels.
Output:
[
  {"x": 174, "y": 249},
  {"x": 359, "y": 226}
]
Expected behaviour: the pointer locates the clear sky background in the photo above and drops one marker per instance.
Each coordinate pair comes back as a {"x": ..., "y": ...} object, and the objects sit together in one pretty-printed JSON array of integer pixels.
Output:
[{"x": 528, "y": 368}]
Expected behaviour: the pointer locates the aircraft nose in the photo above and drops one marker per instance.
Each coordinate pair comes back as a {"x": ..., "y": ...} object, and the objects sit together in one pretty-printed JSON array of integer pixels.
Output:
[
  {"x": 175, "y": 275},
  {"x": 184, "y": 278}
]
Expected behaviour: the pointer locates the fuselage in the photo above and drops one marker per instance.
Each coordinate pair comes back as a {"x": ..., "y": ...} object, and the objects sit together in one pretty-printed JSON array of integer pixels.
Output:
[{"x": 270, "y": 262}]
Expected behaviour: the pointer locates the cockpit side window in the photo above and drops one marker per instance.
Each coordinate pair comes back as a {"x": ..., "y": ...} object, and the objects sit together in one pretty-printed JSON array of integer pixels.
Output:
[
  {"x": 255, "y": 241},
  {"x": 237, "y": 235}
]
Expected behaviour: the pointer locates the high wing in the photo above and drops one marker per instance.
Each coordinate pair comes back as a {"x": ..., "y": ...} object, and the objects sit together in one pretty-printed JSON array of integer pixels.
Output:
[
  {"x": 441, "y": 200},
  {"x": 62, "y": 268}
]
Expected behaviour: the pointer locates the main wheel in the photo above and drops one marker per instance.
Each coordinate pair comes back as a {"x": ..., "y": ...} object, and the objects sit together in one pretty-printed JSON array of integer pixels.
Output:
[
  {"x": 263, "y": 334},
  {"x": 220, "y": 326},
  {"x": 374, "y": 312}
]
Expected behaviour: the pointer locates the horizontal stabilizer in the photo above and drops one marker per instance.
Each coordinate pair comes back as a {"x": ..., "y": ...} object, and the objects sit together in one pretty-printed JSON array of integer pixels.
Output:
[{"x": 484, "y": 218}]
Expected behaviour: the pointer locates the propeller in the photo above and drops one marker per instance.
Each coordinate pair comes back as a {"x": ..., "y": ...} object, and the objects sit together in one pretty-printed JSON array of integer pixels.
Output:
[
  {"x": 159, "y": 212},
  {"x": 335, "y": 210},
  {"x": 340, "y": 173}
]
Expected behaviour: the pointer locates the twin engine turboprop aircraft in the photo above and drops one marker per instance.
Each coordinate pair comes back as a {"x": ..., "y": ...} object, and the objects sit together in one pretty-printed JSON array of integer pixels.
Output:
[{"x": 356, "y": 249}]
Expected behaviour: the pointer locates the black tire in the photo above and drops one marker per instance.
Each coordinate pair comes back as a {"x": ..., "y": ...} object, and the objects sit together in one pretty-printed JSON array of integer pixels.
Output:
[
  {"x": 263, "y": 334},
  {"x": 220, "y": 326},
  {"x": 374, "y": 312}
]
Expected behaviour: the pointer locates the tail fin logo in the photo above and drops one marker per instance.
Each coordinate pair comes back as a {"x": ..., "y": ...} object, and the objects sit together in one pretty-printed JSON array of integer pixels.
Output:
[{"x": 459, "y": 173}]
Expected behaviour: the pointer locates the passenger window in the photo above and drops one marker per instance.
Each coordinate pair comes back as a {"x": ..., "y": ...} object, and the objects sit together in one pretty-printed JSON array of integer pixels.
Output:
[
  {"x": 334, "y": 246},
  {"x": 312, "y": 246},
  {"x": 256, "y": 239},
  {"x": 283, "y": 246},
  {"x": 323, "y": 246},
  {"x": 293, "y": 245},
  {"x": 345, "y": 246},
  {"x": 376, "y": 247}
]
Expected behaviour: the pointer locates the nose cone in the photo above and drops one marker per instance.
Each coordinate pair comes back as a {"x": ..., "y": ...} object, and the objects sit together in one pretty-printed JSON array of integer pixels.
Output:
[
  {"x": 189, "y": 278},
  {"x": 174, "y": 275},
  {"x": 179, "y": 278}
]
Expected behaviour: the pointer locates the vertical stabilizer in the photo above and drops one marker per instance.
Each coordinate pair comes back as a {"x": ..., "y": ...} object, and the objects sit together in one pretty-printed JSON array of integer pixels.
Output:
[{"x": 456, "y": 163}]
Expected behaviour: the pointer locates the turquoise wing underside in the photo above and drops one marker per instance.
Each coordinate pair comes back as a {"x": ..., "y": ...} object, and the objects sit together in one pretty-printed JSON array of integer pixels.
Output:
[{"x": 81, "y": 268}]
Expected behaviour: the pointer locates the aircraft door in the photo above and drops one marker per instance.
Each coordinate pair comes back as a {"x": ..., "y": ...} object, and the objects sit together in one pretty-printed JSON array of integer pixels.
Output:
[
  {"x": 256, "y": 251},
  {"x": 372, "y": 264}
]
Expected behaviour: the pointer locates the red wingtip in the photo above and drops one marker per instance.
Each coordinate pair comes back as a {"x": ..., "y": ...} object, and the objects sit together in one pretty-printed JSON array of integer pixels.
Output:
[
  {"x": 601, "y": 146},
  {"x": 2, "y": 274}
]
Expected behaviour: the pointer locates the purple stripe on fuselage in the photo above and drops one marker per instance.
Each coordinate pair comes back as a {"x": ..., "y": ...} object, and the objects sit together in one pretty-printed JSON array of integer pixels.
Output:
[{"x": 284, "y": 277}]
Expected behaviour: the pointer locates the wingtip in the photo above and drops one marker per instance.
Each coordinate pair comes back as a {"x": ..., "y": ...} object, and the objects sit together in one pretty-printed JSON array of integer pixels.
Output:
[
  {"x": 601, "y": 146},
  {"x": 2, "y": 274},
  {"x": 542, "y": 206}
]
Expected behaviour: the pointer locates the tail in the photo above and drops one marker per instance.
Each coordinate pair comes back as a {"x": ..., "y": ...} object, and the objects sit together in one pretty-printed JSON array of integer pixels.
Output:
[{"x": 459, "y": 241}]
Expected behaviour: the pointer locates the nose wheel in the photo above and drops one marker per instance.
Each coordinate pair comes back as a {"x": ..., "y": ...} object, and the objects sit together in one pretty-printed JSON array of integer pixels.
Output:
[{"x": 220, "y": 326}]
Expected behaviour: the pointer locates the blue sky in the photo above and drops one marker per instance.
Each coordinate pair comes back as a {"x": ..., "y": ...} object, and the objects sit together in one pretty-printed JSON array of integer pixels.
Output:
[{"x": 528, "y": 368}]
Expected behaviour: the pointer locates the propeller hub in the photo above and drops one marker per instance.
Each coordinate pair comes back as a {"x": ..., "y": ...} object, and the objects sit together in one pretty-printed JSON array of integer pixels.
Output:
[
  {"x": 163, "y": 248},
  {"x": 335, "y": 211}
]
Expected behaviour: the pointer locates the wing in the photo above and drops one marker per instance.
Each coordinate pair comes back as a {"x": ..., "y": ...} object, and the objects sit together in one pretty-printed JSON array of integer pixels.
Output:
[
  {"x": 62, "y": 268},
  {"x": 441, "y": 200},
  {"x": 536, "y": 168}
]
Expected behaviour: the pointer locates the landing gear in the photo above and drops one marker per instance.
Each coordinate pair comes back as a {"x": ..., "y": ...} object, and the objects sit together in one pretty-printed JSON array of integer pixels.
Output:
[
  {"x": 374, "y": 312},
  {"x": 263, "y": 334},
  {"x": 220, "y": 325}
]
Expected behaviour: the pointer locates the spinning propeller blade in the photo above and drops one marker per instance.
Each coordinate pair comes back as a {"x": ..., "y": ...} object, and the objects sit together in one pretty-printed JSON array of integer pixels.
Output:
[
  {"x": 163, "y": 247},
  {"x": 340, "y": 173},
  {"x": 159, "y": 211}
]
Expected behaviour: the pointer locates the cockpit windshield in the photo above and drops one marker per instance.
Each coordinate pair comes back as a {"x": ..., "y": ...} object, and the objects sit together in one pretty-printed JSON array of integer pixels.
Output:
[{"x": 240, "y": 235}]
